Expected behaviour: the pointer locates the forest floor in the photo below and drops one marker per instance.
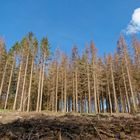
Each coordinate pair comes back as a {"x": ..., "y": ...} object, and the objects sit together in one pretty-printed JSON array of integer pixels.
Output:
[{"x": 70, "y": 126}]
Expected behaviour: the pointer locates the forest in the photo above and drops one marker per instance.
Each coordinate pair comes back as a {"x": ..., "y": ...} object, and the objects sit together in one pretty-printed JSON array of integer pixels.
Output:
[{"x": 32, "y": 78}]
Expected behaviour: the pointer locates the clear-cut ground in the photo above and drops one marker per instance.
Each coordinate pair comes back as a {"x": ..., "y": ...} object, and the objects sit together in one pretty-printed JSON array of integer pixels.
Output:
[{"x": 71, "y": 126}]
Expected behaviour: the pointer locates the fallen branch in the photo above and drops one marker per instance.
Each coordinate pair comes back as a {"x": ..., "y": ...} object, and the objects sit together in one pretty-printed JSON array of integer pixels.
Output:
[
  {"x": 107, "y": 134},
  {"x": 98, "y": 133}
]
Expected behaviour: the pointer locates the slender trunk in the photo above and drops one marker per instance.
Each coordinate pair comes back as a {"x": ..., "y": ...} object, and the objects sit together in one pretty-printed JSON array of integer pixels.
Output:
[
  {"x": 73, "y": 94},
  {"x": 38, "y": 96},
  {"x": 95, "y": 91},
  {"x": 110, "y": 103},
  {"x": 23, "y": 86},
  {"x": 89, "y": 92},
  {"x": 98, "y": 103},
  {"x": 30, "y": 85},
  {"x": 53, "y": 95},
  {"x": 3, "y": 77},
  {"x": 107, "y": 104},
  {"x": 85, "y": 103},
  {"x": 10, "y": 79},
  {"x": 114, "y": 90},
  {"x": 25, "y": 97},
  {"x": 126, "y": 92},
  {"x": 42, "y": 84},
  {"x": 17, "y": 88},
  {"x": 103, "y": 110},
  {"x": 130, "y": 83},
  {"x": 56, "y": 90},
  {"x": 65, "y": 92},
  {"x": 81, "y": 104},
  {"x": 62, "y": 101},
  {"x": 76, "y": 89},
  {"x": 121, "y": 100}
]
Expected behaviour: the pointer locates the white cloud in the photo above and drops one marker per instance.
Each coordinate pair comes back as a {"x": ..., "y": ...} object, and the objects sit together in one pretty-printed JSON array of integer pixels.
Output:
[{"x": 134, "y": 25}]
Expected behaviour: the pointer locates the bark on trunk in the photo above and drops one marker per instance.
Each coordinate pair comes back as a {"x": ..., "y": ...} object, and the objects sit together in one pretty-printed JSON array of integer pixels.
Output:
[
  {"x": 30, "y": 86},
  {"x": 76, "y": 90},
  {"x": 39, "y": 84},
  {"x": 114, "y": 90},
  {"x": 89, "y": 92},
  {"x": 130, "y": 84},
  {"x": 56, "y": 90},
  {"x": 65, "y": 92},
  {"x": 42, "y": 84},
  {"x": 23, "y": 87},
  {"x": 10, "y": 79},
  {"x": 17, "y": 88},
  {"x": 126, "y": 92},
  {"x": 109, "y": 95},
  {"x": 3, "y": 77}
]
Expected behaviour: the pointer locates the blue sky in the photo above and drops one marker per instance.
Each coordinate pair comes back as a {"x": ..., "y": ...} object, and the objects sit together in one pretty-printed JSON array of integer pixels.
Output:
[{"x": 67, "y": 22}]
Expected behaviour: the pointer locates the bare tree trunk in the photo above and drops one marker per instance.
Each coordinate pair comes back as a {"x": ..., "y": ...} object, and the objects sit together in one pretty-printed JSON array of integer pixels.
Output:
[
  {"x": 103, "y": 110},
  {"x": 130, "y": 83},
  {"x": 73, "y": 94},
  {"x": 62, "y": 101},
  {"x": 98, "y": 103},
  {"x": 76, "y": 89},
  {"x": 53, "y": 95},
  {"x": 17, "y": 88},
  {"x": 23, "y": 87},
  {"x": 30, "y": 86},
  {"x": 39, "y": 84},
  {"x": 110, "y": 103},
  {"x": 114, "y": 90},
  {"x": 95, "y": 91},
  {"x": 127, "y": 98},
  {"x": 10, "y": 79},
  {"x": 89, "y": 92},
  {"x": 65, "y": 92},
  {"x": 56, "y": 89},
  {"x": 3, "y": 77},
  {"x": 25, "y": 97},
  {"x": 42, "y": 83},
  {"x": 121, "y": 99}
]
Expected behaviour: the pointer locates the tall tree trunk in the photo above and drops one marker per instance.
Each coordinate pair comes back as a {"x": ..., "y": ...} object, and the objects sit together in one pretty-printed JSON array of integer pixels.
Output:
[
  {"x": 23, "y": 86},
  {"x": 53, "y": 95},
  {"x": 109, "y": 95},
  {"x": 73, "y": 83},
  {"x": 103, "y": 110},
  {"x": 56, "y": 89},
  {"x": 17, "y": 88},
  {"x": 89, "y": 92},
  {"x": 42, "y": 83},
  {"x": 30, "y": 85},
  {"x": 39, "y": 84},
  {"x": 98, "y": 104},
  {"x": 76, "y": 89},
  {"x": 121, "y": 100},
  {"x": 62, "y": 93},
  {"x": 126, "y": 92},
  {"x": 65, "y": 91},
  {"x": 25, "y": 97},
  {"x": 95, "y": 91},
  {"x": 114, "y": 90},
  {"x": 3, "y": 77},
  {"x": 9, "y": 85},
  {"x": 130, "y": 83}
]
